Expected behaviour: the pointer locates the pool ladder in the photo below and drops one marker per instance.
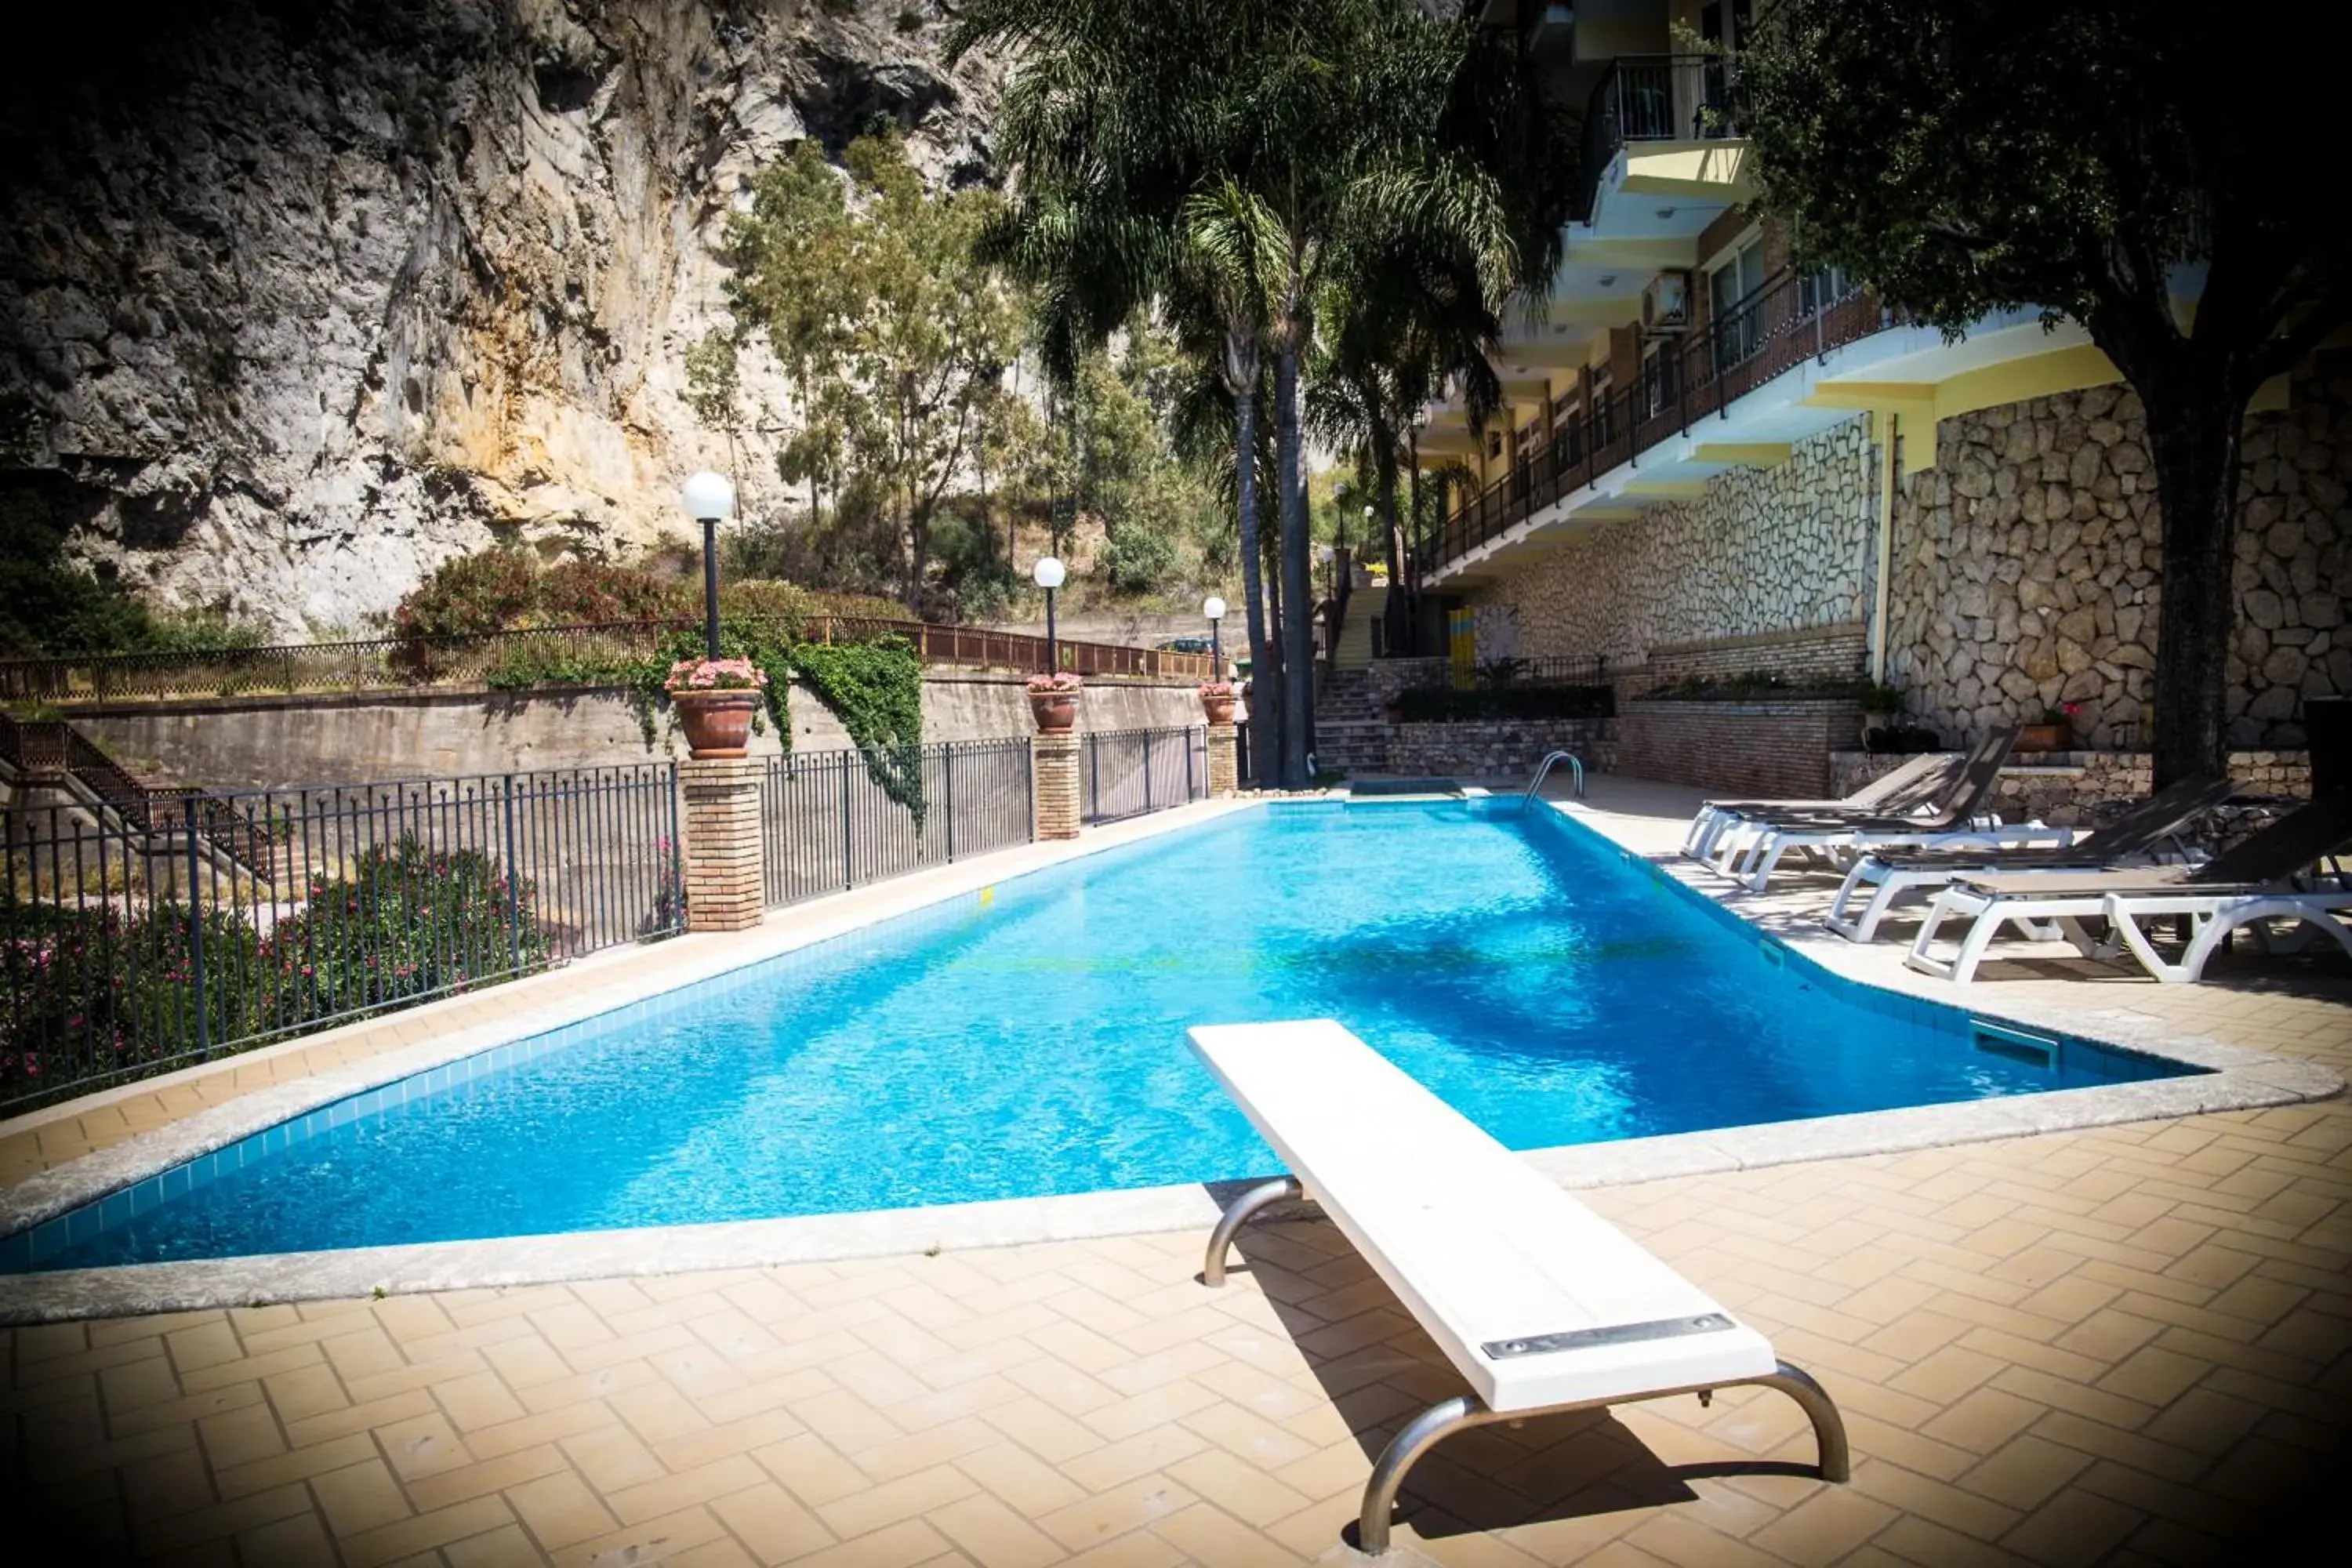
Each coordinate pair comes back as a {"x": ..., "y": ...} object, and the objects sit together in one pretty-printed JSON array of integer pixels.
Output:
[{"x": 1543, "y": 770}]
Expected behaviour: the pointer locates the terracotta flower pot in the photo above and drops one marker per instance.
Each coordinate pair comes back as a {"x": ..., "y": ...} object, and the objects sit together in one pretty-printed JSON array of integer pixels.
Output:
[
  {"x": 2057, "y": 737},
  {"x": 1220, "y": 710},
  {"x": 1055, "y": 711},
  {"x": 718, "y": 724}
]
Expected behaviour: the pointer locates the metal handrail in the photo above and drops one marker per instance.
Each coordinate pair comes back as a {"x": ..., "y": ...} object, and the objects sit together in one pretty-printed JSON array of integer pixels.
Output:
[
  {"x": 1788, "y": 319},
  {"x": 1543, "y": 770}
]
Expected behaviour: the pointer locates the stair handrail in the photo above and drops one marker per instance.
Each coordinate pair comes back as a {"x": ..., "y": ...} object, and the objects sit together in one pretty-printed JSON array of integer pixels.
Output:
[{"x": 1543, "y": 770}]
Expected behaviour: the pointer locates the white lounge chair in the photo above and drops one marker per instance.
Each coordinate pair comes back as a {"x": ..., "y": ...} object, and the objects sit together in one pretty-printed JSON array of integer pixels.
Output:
[
  {"x": 1913, "y": 784},
  {"x": 1539, "y": 1303},
  {"x": 2249, "y": 885},
  {"x": 1885, "y": 879},
  {"x": 1839, "y": 839}
]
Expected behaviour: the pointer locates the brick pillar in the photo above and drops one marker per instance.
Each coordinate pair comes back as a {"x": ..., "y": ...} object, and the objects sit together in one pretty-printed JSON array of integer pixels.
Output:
[
  {"x": 1054, "y": 765},
  {"x": 1225, "y": 774},
  {"x": 723, "y": 890}
]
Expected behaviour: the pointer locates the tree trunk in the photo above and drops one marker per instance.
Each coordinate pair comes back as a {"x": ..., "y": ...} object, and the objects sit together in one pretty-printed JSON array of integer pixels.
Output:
[
  {"x": 1297, "y": 585},
  {"x": 2194, "y": 428},
  {"x": 1273, "y": 769},
  {"x": 1394, "y": 620},
  {"x": 1238, "y": 359}
]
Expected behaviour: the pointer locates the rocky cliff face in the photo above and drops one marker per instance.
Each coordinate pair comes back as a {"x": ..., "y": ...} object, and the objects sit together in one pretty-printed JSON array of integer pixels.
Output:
[{"x": 299, "y": 298}]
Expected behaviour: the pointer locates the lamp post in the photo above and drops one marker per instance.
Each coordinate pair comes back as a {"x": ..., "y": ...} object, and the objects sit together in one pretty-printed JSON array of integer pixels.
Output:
[
  {"x": 710, "y": 498},
  {"x": 1048, "y": 573},
  {"x": 1214, "y": 609}
]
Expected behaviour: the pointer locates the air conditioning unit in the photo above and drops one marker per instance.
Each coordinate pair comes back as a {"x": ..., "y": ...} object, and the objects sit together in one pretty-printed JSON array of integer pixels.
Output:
[{"x": 1666, "y": 303}]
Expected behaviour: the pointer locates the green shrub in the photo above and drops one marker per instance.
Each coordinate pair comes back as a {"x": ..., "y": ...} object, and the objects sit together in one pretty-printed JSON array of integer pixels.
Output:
[
  {"x": 1444, "y": 705},
  {"x": 94, "y": 992},
  {"x": 410, "y": 921},
  {"x": 1761, "y": 686},
  {"x": 876, "y": 689}
]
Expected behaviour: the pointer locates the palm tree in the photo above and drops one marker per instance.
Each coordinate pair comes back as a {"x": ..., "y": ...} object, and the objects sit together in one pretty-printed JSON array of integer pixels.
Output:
[{"x": 1237, "y": 160}]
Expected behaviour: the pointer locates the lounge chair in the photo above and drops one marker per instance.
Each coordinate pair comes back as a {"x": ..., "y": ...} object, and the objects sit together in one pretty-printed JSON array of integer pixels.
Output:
[
  {"x": 1539, "y": 1302},
  {"x": 1961, "y": 822},
  {"x": 2249, "y": 885},
  {"x": 1915, "y": 781},
  {"x": 1894, "y": 876}
]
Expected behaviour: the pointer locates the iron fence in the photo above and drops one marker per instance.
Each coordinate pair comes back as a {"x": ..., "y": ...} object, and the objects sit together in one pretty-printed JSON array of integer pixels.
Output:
[
  {"x": 1127, "y": 772},
  {"x": 1790, "y": 318},
  {"x": 542, "y": 655},
  {"x": 131, "y": 945},
  {"x": 830, "y": 821}
]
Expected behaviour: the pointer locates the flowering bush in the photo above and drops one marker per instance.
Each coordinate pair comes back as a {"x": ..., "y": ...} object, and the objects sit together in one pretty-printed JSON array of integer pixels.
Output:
[
  {"x": 1217, "y": 688},
  {"x": 2063, "y": 713},
  {"x": 1060, "y": 684},
  {"x": 715, "y": 674}
]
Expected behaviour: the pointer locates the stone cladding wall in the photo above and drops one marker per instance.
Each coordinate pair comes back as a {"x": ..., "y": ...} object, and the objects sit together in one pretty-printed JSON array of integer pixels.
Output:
[
  {"x": 2067, "y": 788},
  {"x": 1765, "y": 551},
  {"x": 1495, "y": 748},
  {"x": 1752, "y": 749},
  {"x": 2028, "y": 564}
]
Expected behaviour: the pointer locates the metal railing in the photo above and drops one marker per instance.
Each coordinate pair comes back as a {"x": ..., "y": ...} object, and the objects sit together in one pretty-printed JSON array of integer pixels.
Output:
[
  {"x": 1655, "y": 97},
  {"x": 46, "y": 749},
  {"x": 1127, "y": 772},
  {"x": 537, "y": 656},
  {"x": 125, "y": 951},
  {"x": 1793, "y": 317},
  {"x": 829, "y": 822}
]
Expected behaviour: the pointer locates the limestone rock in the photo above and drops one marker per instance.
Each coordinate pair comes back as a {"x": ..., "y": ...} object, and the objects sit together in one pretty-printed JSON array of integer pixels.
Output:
[{"x": 301, "y": 300}]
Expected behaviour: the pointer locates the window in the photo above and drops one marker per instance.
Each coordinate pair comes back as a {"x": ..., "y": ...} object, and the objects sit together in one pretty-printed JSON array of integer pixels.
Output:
[
  {"x": 1605, "y": 412},
  {"x": 1660, "y": 365},
  {"x": 1819, "y": 290},
  {"x": 1735, "y": 318},
  {"x": 1568, "y": 437}
]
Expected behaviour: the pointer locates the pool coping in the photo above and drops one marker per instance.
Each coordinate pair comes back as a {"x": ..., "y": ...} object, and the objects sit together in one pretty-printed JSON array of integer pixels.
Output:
[{"x": 2235, "y": 1078}]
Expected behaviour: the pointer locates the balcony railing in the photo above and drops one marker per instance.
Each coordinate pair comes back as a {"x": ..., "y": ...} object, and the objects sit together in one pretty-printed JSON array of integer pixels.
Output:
[
  {"x": 1655, "y": 97},
  {"x": 1791, "y": 317}
]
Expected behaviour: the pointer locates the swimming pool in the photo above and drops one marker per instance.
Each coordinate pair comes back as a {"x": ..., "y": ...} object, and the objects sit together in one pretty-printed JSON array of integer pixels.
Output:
[{"x": 1029, "y": 1041}]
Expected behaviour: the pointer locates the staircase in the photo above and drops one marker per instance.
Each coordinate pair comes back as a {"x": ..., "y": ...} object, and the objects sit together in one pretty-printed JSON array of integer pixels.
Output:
[
  {"x": 1349, "y": 734},
  {"x": 55, "y": 750}
]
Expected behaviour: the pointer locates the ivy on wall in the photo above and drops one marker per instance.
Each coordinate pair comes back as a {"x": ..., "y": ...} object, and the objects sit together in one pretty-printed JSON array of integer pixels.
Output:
[{"x": 876, "y": 689}]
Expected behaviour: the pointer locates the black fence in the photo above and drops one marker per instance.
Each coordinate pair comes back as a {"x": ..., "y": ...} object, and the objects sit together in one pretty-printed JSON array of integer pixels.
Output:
[
  {"x": 1127, "y": 772},
  {"x": 830, "y": 821},
  {"x": 131, "y": 947}
]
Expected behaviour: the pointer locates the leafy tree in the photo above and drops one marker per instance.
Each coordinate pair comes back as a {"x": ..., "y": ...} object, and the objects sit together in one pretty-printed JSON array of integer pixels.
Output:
[
  {"x": 895, "y": 336},
  {"x": 2098, "y": 160}
]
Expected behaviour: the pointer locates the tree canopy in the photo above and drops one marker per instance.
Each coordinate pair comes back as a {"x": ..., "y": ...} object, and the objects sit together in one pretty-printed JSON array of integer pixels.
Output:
[{"x": 2115, "y": 162}]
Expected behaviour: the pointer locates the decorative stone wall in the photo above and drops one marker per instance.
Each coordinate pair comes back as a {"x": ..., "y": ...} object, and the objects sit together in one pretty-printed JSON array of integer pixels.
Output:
[
  {"x": 2028, "y": 564},
  {"x": 1495, "y": 748},
  {"x": 2067, "y": 788},
  {"x": 1760, "y": 749},
  {"x": 1765, "y": 551}
]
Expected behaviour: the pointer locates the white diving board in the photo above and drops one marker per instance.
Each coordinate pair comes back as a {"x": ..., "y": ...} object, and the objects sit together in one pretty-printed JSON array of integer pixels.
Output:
[{"x": 1539, "y": 1302}]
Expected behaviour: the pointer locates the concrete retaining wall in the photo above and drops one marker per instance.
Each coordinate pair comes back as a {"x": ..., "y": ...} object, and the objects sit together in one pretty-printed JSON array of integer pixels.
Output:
[{"x": 268, "y": 741}]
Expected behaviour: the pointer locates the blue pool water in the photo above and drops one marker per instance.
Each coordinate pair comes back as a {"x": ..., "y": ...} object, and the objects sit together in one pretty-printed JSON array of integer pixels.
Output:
[{"x": 1030, "y": 1040}]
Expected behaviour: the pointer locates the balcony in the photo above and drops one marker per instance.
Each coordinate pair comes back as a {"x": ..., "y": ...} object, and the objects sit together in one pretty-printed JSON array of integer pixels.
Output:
[
  {"x": 1790, "y": 320},
  {"x": 1653, "y": 100}
]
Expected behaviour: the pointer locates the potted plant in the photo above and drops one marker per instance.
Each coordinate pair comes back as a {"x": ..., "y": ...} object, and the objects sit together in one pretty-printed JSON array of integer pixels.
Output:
[
  {"x": 2055, "y": 733},
  {"x": 715, "y": 699},
  {"x": 1054, "y": 701},
  {"x": 1881, "y": 705},
  {"x": 1217, "y": 698}
]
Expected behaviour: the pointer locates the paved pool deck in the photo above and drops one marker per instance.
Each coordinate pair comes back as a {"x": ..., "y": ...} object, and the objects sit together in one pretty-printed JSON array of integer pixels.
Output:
[{"x": 2128, "y": 1343}]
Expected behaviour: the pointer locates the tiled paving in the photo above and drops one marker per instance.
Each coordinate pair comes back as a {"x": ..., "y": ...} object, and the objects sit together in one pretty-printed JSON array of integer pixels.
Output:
[{"x": 2129, "y": 1344}]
